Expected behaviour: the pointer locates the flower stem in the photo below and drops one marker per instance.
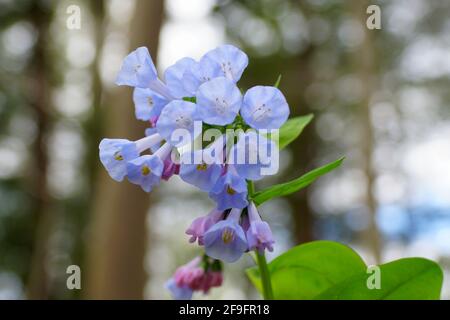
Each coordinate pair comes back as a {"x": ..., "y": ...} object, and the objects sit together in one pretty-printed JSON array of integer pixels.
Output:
[
  {"x": 251, "y": 188},
  {"x": 261, "y": 259},
  {"x": 265, "y": 276}
]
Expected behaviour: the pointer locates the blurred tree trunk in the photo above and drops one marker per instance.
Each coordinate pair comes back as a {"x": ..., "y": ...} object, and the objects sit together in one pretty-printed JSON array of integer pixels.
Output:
[
  {"x": 116, "y": 250},
  {"x": 39, "y": 89},
  {"x": 93, "y": 130},
  {"x": 365, "y": 64},
  {"x": 302, "y": 214},
  {"x": 304, "y": 149},
  {"x": 95, "y": 126}
]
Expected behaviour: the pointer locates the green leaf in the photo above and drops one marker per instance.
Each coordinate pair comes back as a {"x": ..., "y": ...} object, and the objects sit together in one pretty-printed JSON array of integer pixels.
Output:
[
  {"x": 277, "y": 84},
  {"x": 287, "y": 188},
  {"x": 292, "y": 129},
  {"x": 309, "y": 269},
  {"x": 404, "y": 279}
]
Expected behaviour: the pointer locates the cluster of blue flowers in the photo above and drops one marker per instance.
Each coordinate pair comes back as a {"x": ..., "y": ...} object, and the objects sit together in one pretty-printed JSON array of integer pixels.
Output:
[{"x": 194, "y": 97}]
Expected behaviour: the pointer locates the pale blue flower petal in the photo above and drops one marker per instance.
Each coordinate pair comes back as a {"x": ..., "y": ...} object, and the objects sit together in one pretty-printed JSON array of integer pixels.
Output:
[
  {"x": 148, "y": 104},
  {"x": 174, "y": 77},
  {"x": 145, "y": 171},
  {"x": 259, "y": 236},
  {"x": 114, "y": 155},
  {"x": 178, "y": 293},
  {"x": 231, "y": 60},
  {"x": 219, "y": 101},
  {"x": 178, "y": 115},
  {"x": 138, "y": 69},
  {"x": 191, "y": 83},
  {"x": 203, "y": 176},
  {"x": 225, "y": 241},
  {"x": 230, "y": 191},
  {"x": 264, "y": 108},
  {"x": 251, "y": 154},
  {"x": 150, "y": 131}
]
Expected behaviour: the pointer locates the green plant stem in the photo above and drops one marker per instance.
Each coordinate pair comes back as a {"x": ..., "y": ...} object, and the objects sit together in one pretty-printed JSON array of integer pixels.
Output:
[
  {"x": 261, "y": 258},
  {"x": 265, "y": 276},
  {"x": 251, "y": 188}
]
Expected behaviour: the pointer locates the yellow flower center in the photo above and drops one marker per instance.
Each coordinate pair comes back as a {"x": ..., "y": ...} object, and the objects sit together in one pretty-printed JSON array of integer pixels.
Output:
[
  {"x": 227, "y": 236},
  {"x": 118, "y": 156},
  {"x": 202, "y": 167},
  {"x": 230, "y": 191},
  {"x": 145, "y": 171}
]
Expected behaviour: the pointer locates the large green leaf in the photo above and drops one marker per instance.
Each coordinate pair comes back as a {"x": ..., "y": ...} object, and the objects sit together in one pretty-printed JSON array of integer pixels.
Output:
[
  {"x": 404, "y": 279},
  {"x": 309, "y": 269},
  {"x": 287, "y": 188},
  {"x": 292, "y": 129}
]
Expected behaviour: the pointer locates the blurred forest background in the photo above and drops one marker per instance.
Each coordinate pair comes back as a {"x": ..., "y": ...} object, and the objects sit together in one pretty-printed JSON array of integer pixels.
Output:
[{"x": 380, "y": 97}]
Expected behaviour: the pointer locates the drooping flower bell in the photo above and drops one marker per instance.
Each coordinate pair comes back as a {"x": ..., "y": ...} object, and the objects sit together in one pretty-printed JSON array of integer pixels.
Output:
[
  {"x": 209, "y": 280},
  {"x": 200, "y": 225},
  {"x": 148, "y": 104},
  {"x": 147, "y": 170},
  {"x": 186, "y": 274},
  {"x": 264, "y": 108},
  {"x": 202, "y": 168},
  {"x": 230, "y": 191},
  {"x": 195, "y": 277},
  {"x": 179, "y": 292},
  {"x": 252, "y": 155},
  {"x": 138, "y": 70},
  {"x": 259, "y": 234},
  {"x": 116, "y": 153},
  {"x": 202, "y": 175},
  {"x": 226, "y": 240}
]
